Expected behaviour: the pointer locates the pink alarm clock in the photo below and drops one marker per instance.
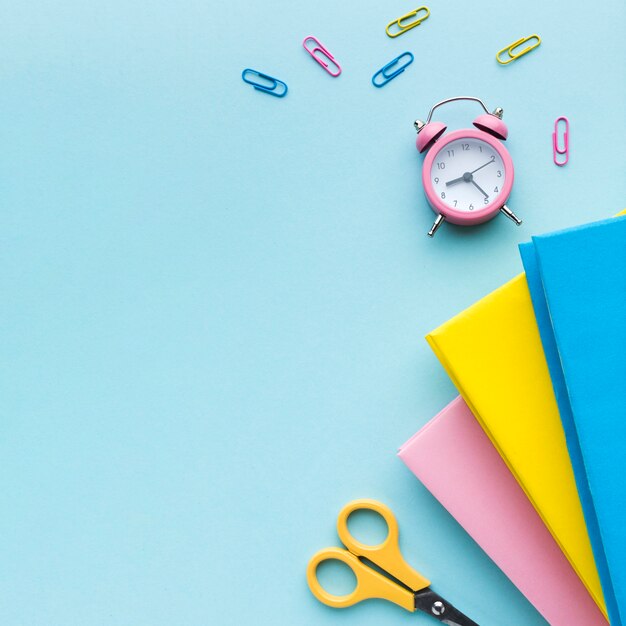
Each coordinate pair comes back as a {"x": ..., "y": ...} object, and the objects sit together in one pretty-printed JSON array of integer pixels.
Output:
[{"x": 468, "y": 173}]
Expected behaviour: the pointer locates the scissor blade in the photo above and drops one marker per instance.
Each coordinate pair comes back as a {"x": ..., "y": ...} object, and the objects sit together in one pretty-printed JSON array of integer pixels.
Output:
[{"x": 434, "y": 605}]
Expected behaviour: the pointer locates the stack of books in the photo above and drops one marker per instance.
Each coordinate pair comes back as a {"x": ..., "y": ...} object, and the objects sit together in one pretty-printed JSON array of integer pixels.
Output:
[{"x": 531, "y": 459}]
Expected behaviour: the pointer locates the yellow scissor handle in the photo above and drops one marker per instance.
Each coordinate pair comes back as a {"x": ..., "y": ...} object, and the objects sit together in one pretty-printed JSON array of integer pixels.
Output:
[
  {"x": 369, "y": 583},
  {"x": 387, "y": 554}
]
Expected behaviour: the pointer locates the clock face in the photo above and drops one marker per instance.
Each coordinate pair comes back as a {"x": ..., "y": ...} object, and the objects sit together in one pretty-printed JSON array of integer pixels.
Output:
[{"x": 467, "y": 174}]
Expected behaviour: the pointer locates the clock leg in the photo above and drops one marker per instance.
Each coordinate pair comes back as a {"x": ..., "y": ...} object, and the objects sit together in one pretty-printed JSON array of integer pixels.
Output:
[
  {"x": 438, "y": 222},
  {"x": 505, "y": 209}
]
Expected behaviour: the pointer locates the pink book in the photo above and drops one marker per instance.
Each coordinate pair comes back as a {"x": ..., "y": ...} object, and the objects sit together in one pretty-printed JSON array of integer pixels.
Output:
[{"x": 459, "y": 465}]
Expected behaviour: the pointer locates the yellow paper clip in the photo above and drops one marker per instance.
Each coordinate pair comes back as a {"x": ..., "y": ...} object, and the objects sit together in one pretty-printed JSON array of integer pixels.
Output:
[
  {"x": 404, "y": 27},
  {"x": 510, "y": 49}
]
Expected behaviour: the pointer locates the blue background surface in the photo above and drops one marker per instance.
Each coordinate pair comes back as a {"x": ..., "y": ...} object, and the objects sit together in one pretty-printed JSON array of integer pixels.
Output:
[{"x": 214, "y": 301}]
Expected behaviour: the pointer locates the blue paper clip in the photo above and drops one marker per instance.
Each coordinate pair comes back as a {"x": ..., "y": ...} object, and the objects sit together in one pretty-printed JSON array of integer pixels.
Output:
[
  {"x": 271, "y": 88},
  {"x": 384, "y": 71}
]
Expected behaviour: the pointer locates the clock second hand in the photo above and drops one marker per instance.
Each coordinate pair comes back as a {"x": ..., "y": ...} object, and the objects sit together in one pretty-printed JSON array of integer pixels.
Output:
[
  {"x": 468, "y": 177},
  {"x": 491, "y": 160}
]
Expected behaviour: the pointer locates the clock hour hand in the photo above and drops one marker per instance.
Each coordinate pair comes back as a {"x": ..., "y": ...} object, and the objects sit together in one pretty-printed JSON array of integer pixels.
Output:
[
  {"x": 480, "y": 189},
  {"x": 491, "y": 160},
  {"x": 456, "y": 180}
]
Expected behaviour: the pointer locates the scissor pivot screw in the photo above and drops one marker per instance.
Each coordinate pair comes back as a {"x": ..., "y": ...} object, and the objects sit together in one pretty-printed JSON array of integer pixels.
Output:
[{"x": 438, "y": 608}]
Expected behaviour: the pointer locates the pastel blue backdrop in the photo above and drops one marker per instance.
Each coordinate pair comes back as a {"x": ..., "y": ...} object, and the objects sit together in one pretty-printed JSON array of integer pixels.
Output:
[{"x": 214, "y": 301}]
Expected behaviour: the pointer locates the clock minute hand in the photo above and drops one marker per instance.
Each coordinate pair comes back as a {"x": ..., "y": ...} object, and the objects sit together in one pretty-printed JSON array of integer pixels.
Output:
[
  {"x": 491, "y": 160},
  {"x": 480, "y": 189}
]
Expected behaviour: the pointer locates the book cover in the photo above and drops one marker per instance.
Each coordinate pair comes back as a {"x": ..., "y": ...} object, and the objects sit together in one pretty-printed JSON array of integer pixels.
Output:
[
  {"x": 456, "y": 461},
  {"x": 493, "y": 354},
  {"x": 583, "y": 274}
]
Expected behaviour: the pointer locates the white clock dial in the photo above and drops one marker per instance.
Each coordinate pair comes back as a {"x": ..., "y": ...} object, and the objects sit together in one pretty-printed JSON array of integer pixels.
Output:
[{"x": 467, "y": 174}]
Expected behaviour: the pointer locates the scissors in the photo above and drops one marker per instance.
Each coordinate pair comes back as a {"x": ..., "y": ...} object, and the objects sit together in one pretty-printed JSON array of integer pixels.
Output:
[{"x": 413, "y": 594}]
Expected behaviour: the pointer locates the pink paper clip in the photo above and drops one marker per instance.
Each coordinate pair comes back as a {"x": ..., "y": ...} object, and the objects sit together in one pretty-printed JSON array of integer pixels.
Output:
[
  {"x": 556, "y": 150},
  {"x": 320, "y": 48}
]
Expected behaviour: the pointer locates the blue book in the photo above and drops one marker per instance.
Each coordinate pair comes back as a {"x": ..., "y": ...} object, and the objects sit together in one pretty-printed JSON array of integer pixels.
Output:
[
  {"x": 551, "y": 352},
  {"x": 577, "y": 282}
]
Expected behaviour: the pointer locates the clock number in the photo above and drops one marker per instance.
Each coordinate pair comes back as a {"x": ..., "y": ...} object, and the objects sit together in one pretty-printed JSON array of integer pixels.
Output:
[
  {"x": 441, "y": 166},
  {"x": 465, "y": 146},
  {"x": 443, "y": 195},
  {"x": 480, "y": 147},
  {"x": 471, "y": 207},
  {"x": 454, "y": 202},
  {"x": 450, "y": 153},
  {"x": 436, "y": 180},
  {"x": 499, "y": 173},
  {"x": 495, "y": 190},
  {"x": 486, "y": 201}
]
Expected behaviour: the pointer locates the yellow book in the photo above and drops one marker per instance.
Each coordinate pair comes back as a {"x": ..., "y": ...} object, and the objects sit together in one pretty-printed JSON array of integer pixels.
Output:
[{"x": 493, "y": 353}]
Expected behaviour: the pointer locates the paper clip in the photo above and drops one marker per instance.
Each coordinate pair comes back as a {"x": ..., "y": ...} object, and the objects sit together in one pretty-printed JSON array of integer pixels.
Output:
[
  {"x": 320, "y": 48},
  {"x": 555, "y": 142},
  {"x": 403, "y": 28},
  {"x": 271, "y": 88},
  {"x": 384, "y": 71},
  {"x": 510, "y": 49}
]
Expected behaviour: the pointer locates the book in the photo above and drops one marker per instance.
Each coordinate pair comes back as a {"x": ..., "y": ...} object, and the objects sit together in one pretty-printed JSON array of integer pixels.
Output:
[
  {"x": 577, "y": 280},
  {"x": 458, "y": 464},
  {"x": 493, "y": 354}
]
